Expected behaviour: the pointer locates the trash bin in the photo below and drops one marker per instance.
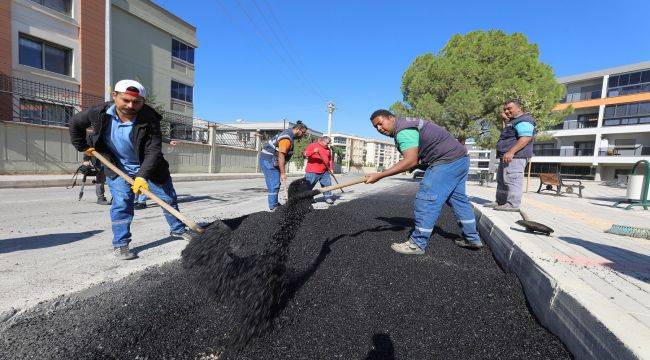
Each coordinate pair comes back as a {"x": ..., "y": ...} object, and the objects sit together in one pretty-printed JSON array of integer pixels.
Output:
[{"x": 635, "y": 187}]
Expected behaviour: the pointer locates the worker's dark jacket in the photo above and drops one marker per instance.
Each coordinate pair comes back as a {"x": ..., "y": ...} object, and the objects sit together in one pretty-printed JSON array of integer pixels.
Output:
[
  {"x": 146, "y": 137},
  {"x": 509, "y": 138},
  {"x": 437, "y": 145}
]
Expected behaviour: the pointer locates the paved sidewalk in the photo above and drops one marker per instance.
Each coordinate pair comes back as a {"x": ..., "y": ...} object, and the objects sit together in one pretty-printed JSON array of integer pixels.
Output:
[
  {"x": 52, "y": 246},
  {"x": 592, "y": 289}
]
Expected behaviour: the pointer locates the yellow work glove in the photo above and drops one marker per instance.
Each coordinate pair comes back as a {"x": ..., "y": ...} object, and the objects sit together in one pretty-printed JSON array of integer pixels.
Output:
[
  {"x": 138, "y": 184},
  {"x": 89, "y": 151}
]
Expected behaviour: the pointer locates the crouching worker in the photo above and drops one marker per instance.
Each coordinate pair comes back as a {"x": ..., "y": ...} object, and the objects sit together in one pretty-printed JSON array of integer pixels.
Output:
[
  {"x": 425, "y": 143},
  {"x": 127, "y": 132}
]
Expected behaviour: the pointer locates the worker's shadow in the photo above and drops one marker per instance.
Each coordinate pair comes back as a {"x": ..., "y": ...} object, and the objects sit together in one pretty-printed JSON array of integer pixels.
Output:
[
  {"x": 294, "y": 283},
  {"x": 382, "y": 348}
]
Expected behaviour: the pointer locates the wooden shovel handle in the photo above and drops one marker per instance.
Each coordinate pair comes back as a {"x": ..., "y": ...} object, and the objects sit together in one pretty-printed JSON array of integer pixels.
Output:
[
  {"x": 339, "y": 186},
  {"x": 191, "y": 224}
]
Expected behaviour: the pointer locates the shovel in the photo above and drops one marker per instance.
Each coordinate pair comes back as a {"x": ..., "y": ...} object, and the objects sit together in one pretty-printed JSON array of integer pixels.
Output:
[
  {"x": 191, "y": 224},
  {"x": 315, "y": 192},
  {"x": 532, "y": 226},
  {"x": 329, "y": 171}
]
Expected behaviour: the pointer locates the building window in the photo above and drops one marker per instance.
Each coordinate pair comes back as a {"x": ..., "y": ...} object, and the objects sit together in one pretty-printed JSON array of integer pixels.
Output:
[
  {"x": 244, "y": 136},
  {"x": 62, "y": 6},
  {"x": 182, "y": 51},
  {"x": 38, "y": 112},
  {"x": 626, "y": 84},
  {"x": 627, "y": 114},
  {"x": 43, "y": 55},
  {"x": 181, "y": 91}
]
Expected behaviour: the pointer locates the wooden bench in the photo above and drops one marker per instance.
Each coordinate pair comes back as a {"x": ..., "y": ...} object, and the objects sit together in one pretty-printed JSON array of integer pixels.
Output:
[{"x": 551, "y": 180}]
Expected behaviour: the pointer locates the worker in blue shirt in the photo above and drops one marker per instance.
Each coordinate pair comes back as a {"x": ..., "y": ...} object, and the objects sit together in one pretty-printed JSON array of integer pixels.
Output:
[
  {"x": 514, "y": 149},
  {"x": 127, "y": 132}
]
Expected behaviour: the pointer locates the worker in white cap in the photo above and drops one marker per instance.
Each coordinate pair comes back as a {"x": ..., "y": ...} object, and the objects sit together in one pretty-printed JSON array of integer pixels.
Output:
[{"x": 127, "y": 132}]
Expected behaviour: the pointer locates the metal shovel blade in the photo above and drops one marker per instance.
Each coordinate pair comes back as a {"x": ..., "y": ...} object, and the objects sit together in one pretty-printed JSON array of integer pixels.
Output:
[{"x": 535, "y": 227}]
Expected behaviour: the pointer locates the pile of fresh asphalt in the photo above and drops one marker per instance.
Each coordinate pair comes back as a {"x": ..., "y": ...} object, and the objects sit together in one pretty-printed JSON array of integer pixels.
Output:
[
  {"x": 347, "y": 296},
  {"x": 253, "y": 281}
]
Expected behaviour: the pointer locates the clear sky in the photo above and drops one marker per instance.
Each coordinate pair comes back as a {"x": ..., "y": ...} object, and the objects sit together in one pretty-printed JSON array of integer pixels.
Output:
[{"x": 264, "y": 60}]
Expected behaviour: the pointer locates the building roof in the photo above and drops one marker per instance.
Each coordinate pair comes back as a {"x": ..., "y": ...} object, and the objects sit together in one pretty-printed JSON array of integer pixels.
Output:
[
  {"x": 349, "y": 136},
  {"x": 268, "y": 125},
  {"x": 170, "y": 14},
  {"x": 600, "y": 73}
]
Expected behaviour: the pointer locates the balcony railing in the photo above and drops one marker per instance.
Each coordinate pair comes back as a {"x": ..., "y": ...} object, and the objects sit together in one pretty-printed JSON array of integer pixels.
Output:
[
  {"x": 564, "y": 152},
  {"x": 28, "y": 101},
  {"x": 585, "y": 95},
  {"x": 575, "y": 124},
  {"x": 624, "y": 150}
]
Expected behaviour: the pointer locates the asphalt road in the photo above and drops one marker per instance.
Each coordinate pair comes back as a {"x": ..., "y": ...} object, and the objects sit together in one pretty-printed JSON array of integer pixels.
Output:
[{"x": 349, "y": 296}]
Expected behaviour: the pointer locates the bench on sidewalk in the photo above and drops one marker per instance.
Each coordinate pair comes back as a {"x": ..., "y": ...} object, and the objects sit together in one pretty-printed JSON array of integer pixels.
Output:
[{"x": 555, "y": 179}]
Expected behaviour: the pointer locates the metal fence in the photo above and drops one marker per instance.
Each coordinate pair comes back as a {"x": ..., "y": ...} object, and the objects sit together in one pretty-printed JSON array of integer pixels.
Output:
[
  {"x": 233, "y": 136},
  {"x": 33, "y": 102}
]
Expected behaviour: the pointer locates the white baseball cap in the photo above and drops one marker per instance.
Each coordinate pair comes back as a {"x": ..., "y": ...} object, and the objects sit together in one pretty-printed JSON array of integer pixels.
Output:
[{"x": 131, "y": 87}]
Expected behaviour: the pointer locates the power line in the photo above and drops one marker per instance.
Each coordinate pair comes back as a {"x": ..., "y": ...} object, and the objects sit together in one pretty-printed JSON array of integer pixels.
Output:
[
  {"x": 241, "y": 29},
  {"x": 271, "y": 45},
  {"x": 289, "y": 50}
]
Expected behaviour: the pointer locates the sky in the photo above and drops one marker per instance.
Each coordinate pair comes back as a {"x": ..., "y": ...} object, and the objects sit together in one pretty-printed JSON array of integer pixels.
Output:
[{"x": 265, "y": 60}]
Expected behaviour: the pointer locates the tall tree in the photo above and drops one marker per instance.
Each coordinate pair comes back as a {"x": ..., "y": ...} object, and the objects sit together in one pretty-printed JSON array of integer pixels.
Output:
[{"x": 464, "y": 86}]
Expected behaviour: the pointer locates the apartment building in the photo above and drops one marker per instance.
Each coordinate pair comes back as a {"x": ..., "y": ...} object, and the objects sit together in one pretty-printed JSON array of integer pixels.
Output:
[
  {"x": 354, "y": 147},
  {"x": 253, "y": 133},
  {"x": 381, "y": 153},
  {"x": 53, "y": 50},
  {"x": 57, "y": 56},
  {"x": 609, "y": 129},
  {"x": 156, "y": 47},
  {"x": 480, "y": 160}
]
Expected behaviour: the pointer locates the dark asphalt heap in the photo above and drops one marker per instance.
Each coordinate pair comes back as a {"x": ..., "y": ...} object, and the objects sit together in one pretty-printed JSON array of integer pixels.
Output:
[
  {"x": 348, "y": 296},
  {"x": 255, "y": 281}
]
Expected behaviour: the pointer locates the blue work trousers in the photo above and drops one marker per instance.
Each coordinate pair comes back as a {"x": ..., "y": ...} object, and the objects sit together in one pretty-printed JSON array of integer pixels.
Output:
[
  {"x": 324, "y": 179},
  {"x": 443, "y": 183},
  {"x": 272, "y": 178},
  {"x": 122, "y": 208}
]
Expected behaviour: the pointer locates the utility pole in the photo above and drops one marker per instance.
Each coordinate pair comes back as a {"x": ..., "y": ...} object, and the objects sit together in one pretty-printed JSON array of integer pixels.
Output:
[{"x": 330, "y": 110}]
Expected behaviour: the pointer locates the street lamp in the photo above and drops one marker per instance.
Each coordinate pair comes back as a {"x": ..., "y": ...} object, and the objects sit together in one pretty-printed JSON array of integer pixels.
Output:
[{"x": 330, "y": 110}]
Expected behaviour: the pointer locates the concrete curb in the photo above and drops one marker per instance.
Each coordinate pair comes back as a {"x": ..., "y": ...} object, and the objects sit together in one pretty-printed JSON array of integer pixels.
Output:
[
  {"x": 589, "y": 325},
  {"x": 35, "y": 182}
]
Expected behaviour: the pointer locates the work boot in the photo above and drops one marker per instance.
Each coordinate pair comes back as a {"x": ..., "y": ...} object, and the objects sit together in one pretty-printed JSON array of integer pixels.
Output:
[
  {"x": 184, "y": 235},
  {"x": 124, "y": 253},
  {"x": 139, "y": 206},
  {"x": 469, "y": 244},
  {"x": 492, "y": 204},
  {"x": 408, "y": 248},
  {"x": 506, "y": 207},
  {"x": 329, "y": 201},
  {"x": 103, "y": 201}
]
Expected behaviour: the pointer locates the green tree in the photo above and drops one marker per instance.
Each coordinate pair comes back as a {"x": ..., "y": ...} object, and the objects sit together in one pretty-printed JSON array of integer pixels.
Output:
[
  {"x": 339, "y": 153},
  {"x": 298, "y": 147},
  {"x": 464, "y": 86}
]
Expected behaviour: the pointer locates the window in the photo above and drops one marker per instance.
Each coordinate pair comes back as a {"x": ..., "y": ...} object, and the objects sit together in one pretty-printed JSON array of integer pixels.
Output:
[
  {"x": 627, "y": 114},
  {"x": 244, "y": 136},
  {"x": 62, "y": 6},
  {"x": 181, "y": 91},
  {"x": 632, "y": 83},
  {"x": 37, "y": 112},
  {"x": 43, "y": 55},
  {"x": 182, "y": 51}
]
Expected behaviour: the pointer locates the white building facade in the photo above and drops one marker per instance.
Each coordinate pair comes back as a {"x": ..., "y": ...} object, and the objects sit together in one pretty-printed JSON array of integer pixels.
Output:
[{"x": 609, "y": 129}]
